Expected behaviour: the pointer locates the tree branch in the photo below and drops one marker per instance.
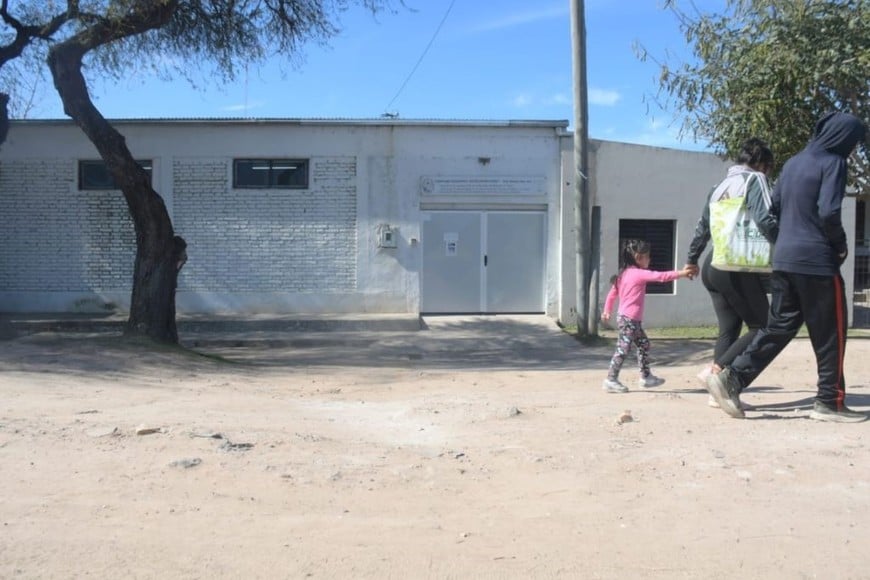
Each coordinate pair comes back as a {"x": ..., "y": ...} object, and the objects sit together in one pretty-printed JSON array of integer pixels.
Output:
[
  {"x": 24, "y": 35},
  {"x": 65, "y": 63}
]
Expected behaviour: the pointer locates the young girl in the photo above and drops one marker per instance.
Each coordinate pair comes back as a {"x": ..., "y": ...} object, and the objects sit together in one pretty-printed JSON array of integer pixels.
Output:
[{"x": 630, "y": 287}]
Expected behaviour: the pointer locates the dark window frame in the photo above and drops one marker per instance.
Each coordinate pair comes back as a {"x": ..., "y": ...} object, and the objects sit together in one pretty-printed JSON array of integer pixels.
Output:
[
  {"x": 93, "y": 175},
  {"x": 275, "y": 176},
  {"x": 662, "y": 236}
]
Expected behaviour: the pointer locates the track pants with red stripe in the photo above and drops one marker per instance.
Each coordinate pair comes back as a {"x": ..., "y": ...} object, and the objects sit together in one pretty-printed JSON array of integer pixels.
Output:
[{"x": 818, "y": 301}]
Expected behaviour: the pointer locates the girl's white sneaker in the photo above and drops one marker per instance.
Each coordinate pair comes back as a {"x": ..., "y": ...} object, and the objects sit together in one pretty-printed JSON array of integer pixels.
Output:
[
  {"x": 613, "y": 386},
  {"x": 650, "y": 381}
]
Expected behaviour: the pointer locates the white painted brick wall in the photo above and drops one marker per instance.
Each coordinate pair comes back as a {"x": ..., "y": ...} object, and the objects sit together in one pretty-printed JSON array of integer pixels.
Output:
[
  {"x": 266, "y": 240},
  {"x": 56, "y": 238}
]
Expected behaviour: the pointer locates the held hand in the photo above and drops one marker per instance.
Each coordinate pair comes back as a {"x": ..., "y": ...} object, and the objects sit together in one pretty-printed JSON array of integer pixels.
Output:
[
  {"x": 690, "y": 271},
  {"x": 605, "y": 316}
]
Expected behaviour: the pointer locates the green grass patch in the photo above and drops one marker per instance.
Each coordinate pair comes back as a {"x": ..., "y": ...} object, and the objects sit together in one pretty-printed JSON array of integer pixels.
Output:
[{"x": 686, "y": 333}]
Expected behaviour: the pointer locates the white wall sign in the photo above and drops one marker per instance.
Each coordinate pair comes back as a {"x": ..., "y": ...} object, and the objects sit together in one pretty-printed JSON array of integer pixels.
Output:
[{"x": 447, "y": 185}]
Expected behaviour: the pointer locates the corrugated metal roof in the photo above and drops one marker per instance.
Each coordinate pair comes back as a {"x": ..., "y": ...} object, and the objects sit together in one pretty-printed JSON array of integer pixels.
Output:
[{"x": 381, "y": 121}]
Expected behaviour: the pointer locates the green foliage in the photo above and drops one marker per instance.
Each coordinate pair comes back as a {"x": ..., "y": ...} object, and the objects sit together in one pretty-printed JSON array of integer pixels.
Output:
[
  {"x": 770, "y": 68},
  {"x": 82, "y": 38},
  {"x": 221, "y": 37}
]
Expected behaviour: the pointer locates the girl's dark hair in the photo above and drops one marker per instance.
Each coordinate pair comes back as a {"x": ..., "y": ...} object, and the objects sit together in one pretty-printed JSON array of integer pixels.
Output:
[
  {"x": 628, "y": 250},
  {"x": 756, "y": 154}
]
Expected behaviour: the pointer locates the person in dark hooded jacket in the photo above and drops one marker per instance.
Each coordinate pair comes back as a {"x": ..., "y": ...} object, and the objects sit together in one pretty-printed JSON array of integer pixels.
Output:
[{"x": 806, "y": 285}]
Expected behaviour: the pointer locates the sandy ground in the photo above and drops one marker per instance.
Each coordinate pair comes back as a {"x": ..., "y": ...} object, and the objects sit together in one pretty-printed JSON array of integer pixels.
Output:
[{"x": 468, "y": 450}]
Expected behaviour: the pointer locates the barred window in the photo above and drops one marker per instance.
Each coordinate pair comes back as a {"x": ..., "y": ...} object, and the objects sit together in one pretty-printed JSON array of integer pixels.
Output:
[
  {"x": 93, "y": 174},
  {"x": 270, "y": 173},
  {"x": 660, "y": 235}
]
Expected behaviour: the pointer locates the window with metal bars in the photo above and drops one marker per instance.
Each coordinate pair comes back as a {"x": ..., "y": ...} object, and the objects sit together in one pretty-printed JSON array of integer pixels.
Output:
[
  {"x": 661, "y": 236},
  {"x": 93, "y": 174},
  {"x": 270, "y": 173}
]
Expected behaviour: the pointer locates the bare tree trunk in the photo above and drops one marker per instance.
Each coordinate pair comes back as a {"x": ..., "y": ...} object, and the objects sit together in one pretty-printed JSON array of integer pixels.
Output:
[{"x": 159, "y": 252}]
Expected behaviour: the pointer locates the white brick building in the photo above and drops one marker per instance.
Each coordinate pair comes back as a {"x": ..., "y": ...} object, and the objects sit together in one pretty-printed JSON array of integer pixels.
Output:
[{"x": 382, "y": 216}]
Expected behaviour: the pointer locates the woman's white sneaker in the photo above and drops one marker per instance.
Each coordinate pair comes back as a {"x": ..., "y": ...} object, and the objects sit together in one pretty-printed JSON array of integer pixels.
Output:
[
  {"x": 705, "y": 372},
  {"x": 712, "y": 403}
]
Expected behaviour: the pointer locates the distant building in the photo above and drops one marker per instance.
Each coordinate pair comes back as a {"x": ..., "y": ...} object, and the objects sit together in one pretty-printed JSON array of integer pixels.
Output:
[{"x": 346, "y": 216}]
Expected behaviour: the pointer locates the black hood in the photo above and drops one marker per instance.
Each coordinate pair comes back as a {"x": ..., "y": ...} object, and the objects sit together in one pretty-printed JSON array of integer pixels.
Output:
[{"x": 838, "y": 133}]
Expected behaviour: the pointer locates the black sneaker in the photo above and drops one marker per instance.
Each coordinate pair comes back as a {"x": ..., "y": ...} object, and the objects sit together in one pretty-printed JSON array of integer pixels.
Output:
[
  {"x": 724, "y": 389},
  {"x": 823, "y": 412}
]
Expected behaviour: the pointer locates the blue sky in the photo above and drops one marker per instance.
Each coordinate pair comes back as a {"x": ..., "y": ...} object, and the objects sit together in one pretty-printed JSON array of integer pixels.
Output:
[{"x": 490, "y": 60}]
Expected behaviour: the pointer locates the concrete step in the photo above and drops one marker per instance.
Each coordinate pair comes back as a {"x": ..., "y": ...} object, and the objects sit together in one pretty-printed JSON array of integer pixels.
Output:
[{"x": 29, "y": 323}]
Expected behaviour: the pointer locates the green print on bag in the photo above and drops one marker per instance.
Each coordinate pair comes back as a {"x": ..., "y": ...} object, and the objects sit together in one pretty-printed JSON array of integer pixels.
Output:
[{"x": 738, "y": 244}]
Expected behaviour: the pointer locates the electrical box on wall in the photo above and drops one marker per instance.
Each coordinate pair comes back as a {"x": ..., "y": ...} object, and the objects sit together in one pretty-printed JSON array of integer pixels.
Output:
[{"x": 387, "y": 236}]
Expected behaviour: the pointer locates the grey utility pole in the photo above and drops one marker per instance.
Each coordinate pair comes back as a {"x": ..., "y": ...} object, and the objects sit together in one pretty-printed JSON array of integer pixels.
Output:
[{"x": 581, "y": 171}]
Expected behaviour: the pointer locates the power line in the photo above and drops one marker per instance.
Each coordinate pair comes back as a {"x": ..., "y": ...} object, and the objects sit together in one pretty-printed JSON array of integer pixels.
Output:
[{"x": 422, "y": 56}]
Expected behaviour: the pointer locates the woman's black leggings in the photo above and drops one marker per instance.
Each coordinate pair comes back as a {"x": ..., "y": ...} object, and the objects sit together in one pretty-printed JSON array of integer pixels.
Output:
[{"x": 738, "y": 298}]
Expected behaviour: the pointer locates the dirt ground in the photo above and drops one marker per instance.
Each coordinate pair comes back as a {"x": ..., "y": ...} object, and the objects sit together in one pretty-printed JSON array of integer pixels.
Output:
[{"x": 467, "y": 450}]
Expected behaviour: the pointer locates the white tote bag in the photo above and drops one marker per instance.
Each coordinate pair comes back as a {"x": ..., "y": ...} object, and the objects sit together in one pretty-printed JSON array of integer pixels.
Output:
[{"x": 738, "y": 244}]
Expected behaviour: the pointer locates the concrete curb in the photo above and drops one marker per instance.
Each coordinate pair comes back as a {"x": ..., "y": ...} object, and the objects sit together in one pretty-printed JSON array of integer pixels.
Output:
[{"x": 33, "y": 323}]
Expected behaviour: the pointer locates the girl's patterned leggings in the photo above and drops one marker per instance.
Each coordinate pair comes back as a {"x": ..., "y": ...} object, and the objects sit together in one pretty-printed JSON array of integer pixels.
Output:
[{"x": 630, "y": 332}]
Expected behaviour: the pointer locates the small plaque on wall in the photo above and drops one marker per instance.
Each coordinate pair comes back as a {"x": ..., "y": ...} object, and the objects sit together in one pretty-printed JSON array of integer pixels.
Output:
[
  {"x": 451, "y": 244},
  {"x": 449, "y": 185}
]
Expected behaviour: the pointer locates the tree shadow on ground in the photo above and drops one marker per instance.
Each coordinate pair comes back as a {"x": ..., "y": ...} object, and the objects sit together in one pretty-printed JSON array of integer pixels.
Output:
[
  {"x": 806, "y": 404},
  {"x": 459, "y": 343},
  {"x": 103, "y": 355},
  {"x": 473, "y": 347}
]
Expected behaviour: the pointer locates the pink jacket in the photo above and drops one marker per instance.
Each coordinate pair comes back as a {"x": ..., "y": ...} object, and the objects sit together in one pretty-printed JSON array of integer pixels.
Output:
[{"x": 631, "y": 290}]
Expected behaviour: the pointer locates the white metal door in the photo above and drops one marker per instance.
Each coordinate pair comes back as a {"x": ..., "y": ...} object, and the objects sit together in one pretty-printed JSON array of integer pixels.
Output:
[
  {"x": 452, "y": 262},
  {"x": 490, "y": 262},
  {"x": 515, "y": 250}
]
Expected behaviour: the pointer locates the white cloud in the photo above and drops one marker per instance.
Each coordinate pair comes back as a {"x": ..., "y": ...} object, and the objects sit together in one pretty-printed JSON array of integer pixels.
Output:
[
  {"x": 242, "y": 107},
  {"x": 522, "y": 18},
  {"x": 596, "y": 97},
  {"x": 656, "y": 124},
  {"x": 658, "y": 133},
  {"x": 522, "y": 100},
  {"x": 603, "y": 97},
  {"x": 529, "y": 100},
  {"x": 559, "y": 99}
]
